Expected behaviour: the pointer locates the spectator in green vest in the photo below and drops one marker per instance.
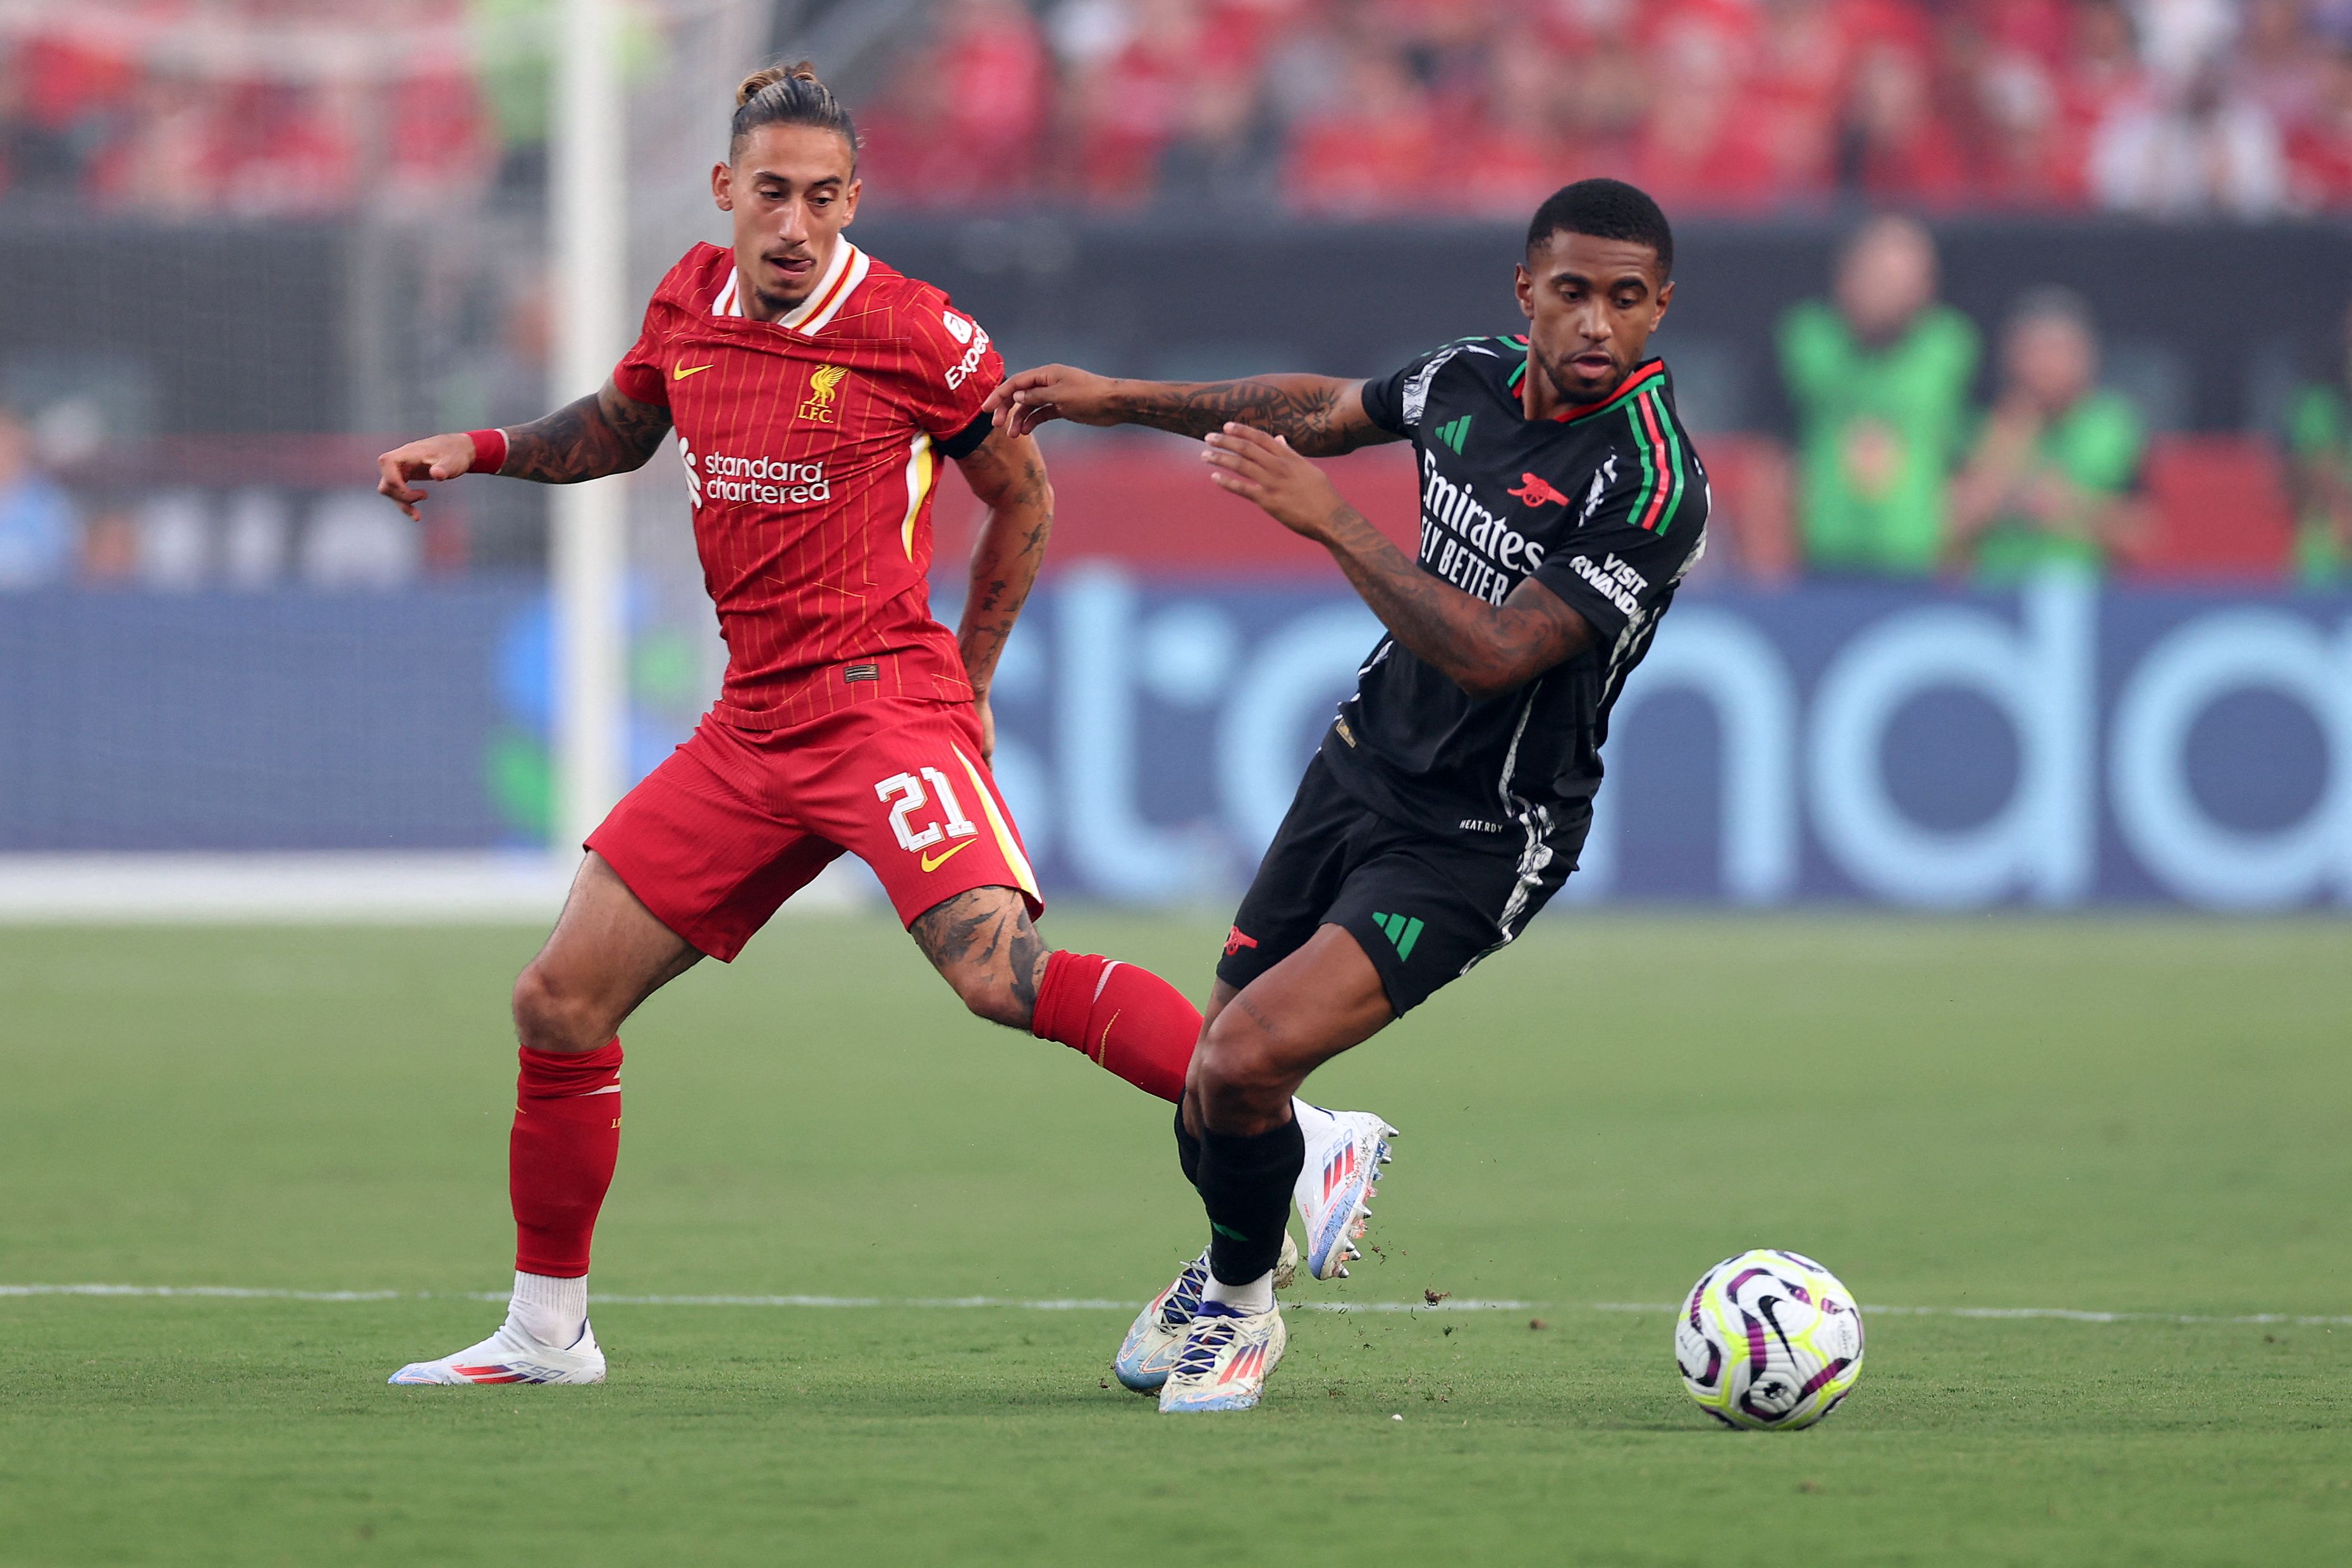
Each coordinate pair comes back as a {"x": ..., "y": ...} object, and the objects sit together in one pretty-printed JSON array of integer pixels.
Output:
[
  {"x": 2053, "y": 480},
  {"x": 1880, "y": 380},
  {"x": 2319, "y": 443}
]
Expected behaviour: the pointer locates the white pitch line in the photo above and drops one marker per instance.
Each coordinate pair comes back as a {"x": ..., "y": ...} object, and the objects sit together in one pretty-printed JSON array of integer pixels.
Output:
[
  {"x": 2068, "y": 1314},
  {"x": 1100, "y": 1304},
  {"x": 1049, "y": 1304},
  {"x": 231, "y": 1292}
]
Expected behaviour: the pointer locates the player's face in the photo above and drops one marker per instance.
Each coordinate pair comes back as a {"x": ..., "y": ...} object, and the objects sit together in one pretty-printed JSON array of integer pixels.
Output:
[
  {"x": 791, "y": 192},
  {"x": 1592, "y": 305}
]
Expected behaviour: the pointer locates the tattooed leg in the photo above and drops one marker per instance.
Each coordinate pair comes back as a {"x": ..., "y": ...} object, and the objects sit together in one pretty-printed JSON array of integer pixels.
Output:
[
  {"x": 1124, "y": 1019},
  {"x": 984, "y": 944}
]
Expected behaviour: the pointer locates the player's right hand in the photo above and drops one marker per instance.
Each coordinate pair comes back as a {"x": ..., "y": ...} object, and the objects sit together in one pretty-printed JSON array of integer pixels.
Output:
[
  {"x": 1028, "y": 400},
  {"x": 434, "y": 457}
]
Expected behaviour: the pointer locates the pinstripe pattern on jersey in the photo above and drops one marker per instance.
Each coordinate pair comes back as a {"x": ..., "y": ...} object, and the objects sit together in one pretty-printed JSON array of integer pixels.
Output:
[{"x": 809, "y": 575}]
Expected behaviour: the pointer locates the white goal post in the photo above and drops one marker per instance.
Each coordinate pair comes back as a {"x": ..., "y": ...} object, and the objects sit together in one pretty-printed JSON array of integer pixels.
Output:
[{"x": 588, "y": 546}]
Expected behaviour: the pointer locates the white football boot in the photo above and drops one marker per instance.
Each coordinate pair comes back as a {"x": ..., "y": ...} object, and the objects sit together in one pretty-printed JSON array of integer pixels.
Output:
[
  {"x": 1149, "y": 1353},
  {"x": 512, "y": 1356},
  {"x": 1225, "y": 1359},
  {"x": 1335, "y": 1188}
]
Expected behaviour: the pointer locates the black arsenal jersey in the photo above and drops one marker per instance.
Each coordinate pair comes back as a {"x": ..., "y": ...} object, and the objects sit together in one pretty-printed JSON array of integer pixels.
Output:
[{"x": 1605, "y": 505}]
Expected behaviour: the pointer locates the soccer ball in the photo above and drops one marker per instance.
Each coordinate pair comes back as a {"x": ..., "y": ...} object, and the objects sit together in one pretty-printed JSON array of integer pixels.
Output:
[{"x": 1769, "y": 1341}]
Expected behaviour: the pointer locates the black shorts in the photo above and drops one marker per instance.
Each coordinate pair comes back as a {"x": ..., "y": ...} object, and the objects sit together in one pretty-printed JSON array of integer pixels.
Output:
[{"x": 1425, "y": 908}]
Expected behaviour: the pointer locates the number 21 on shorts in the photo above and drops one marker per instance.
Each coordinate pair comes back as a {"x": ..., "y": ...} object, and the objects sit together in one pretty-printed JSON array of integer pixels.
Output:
[{"x": 912, "y": 797}]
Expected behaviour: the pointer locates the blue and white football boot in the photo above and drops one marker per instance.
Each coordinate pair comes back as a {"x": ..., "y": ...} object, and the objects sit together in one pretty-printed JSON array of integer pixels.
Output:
[
  {"x": 1226, "y": 1357},
  {"x": 1148, "y": 1354},
  {"x": 1335, "y": 1188}
]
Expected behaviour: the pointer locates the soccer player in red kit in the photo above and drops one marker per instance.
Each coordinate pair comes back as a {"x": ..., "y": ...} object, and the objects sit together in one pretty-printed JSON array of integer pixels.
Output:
[{"x": 815, "y": 392}]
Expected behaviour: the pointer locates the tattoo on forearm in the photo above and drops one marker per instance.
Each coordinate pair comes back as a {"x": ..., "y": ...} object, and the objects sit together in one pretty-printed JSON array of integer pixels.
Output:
[
  {"x": 605, "y": 434},
  {"x": 983, "y": 928},
  {"x": 1309, "y": 411},
  {"x": 1480, "y": 645},
  {"x": 1006, "y": 560}
]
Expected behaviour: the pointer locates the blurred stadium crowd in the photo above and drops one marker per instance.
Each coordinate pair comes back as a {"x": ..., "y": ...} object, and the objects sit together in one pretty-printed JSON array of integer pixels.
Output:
[
  {"x": 1897, "y": 470},
  {"x": 252, "y": 108},
  {"x": 1326, "y": 107},
  {"x": 1733, "y": 106},
  {"x": 1920, "y": 447},
  {"x": 1917, "y": 442}
]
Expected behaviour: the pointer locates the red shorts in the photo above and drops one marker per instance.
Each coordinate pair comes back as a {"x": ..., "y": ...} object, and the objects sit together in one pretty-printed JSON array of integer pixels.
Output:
[{"x": 736, "y": 821}]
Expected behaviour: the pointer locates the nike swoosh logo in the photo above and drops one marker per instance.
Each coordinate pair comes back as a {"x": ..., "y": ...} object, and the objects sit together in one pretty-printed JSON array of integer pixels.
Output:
[
  {"x": 934, "y": 862},
  {"x": 681, "y": 372}
]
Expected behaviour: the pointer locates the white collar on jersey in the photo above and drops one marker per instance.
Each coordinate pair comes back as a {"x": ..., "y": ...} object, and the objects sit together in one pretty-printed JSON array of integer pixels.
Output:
[{"x": 842, "y": 275}]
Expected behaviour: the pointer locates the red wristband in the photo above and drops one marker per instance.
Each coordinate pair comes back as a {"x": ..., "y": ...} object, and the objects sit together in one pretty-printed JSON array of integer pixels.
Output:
[{"x": 490, "y": 450}]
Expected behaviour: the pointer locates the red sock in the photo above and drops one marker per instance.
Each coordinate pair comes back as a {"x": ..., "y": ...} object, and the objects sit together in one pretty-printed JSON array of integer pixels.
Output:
[
  {"x": 1128, "y": 1021},
  {"x": 567, "y": 1134}
]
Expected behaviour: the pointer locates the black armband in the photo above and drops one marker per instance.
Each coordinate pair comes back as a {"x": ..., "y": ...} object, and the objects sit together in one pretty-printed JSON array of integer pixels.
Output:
[{"x": 966, "y": 441}]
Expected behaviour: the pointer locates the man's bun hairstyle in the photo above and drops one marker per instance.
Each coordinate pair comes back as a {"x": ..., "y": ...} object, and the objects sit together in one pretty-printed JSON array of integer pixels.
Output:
[
  {"x": 1605, "y": 209},
  {"x": 788, "y": 95}
]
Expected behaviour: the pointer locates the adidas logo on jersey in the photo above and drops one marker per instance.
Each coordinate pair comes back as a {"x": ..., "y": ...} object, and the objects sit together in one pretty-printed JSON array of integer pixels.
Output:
[
  {"x": 762, "y": 481},
  {"x": 1454, "y": 432}
]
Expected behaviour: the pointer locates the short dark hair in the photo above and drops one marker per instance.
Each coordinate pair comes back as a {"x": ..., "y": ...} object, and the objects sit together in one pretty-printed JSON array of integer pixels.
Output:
[
  {"x": 788, "y": 95},
  {"x": 1605, "y": 209},
  {"x": 2051, "y": 302}
]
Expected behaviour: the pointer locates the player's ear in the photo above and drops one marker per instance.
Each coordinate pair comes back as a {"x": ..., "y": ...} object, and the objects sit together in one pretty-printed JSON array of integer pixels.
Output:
[
  {"x": 849, "y": 201},
  {"x": 1523, "y": 284},
  {"x": 1666, "y": 298},
  {"x": 722, "y": 186}
]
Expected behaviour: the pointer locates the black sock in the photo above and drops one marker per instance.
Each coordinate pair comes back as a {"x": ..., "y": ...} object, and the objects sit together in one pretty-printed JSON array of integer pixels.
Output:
[
  {"x": 1245, "y": 1185},
  {"x": 1188, "y": 1150}
]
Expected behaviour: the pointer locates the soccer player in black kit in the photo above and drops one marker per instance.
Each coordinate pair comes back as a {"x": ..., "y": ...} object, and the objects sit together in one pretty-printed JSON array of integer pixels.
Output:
[{"x": 1562, "y": 502}]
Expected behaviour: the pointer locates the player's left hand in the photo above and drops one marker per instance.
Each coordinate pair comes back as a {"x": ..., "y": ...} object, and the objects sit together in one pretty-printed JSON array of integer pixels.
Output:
[{"x": 1263, "y": 469}]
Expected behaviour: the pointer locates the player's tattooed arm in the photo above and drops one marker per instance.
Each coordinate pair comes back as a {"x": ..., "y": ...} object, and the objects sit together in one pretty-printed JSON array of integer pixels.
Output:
[
  {"x": 984, "y": 944},
  {"x": 1319, "y": 415},
  {"x": 1485, "y": 649},
  {"x": 1008, "y": 474},
  {"x": 606, "y": 434}
]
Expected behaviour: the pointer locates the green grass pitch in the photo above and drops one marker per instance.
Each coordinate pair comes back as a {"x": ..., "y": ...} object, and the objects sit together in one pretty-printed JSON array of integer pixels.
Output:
[{"x": 2140, "y": 1117}]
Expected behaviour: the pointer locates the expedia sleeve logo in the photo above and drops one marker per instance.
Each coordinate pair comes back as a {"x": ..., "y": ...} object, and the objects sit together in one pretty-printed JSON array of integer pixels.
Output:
[{"x": 964, "y": 331}]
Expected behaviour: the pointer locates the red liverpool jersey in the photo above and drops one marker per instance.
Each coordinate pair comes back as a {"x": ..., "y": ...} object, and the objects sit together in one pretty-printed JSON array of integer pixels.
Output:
[{"x": 811, "y": 446}]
